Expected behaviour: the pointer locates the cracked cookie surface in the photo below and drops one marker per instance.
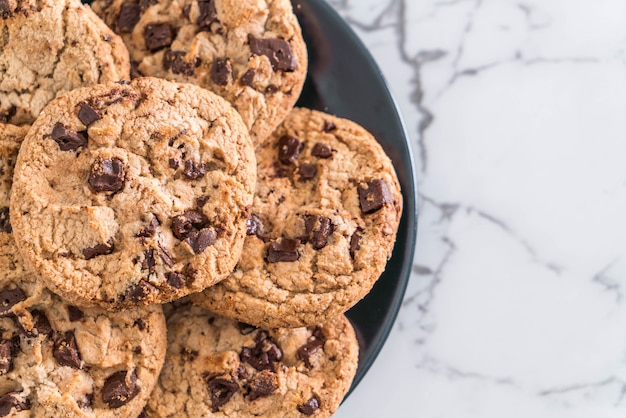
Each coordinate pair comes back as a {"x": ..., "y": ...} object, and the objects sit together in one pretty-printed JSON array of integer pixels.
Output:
[
  {"x": 133, "y": 193},
  {"x": 57, "y": 359},
  {"x": 323, "y": 225},
  {"x": 216, "y": 367},
  {"x": 49, "y": 47},
  {"x": 250, "y": 52}
]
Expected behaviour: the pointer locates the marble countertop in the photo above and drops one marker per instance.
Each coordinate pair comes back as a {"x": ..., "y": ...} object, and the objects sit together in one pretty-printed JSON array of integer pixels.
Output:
[{"x": 517, "y": 117}]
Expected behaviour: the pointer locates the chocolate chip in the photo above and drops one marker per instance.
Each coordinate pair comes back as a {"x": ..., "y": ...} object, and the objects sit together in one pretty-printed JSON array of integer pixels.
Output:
[
  {"x": 107, "y": 175},
  {"x": 183, "y": 225},
  {"x": 148, "y": 262},
  {"x": 271, "y": 89},
  {"x": 208, "y": 13},
  {"x": 221, "y": 391},
  {"x": 248, "y": 77},
  {"x": 317, "y": 230},
  {"x": 245, "y": 329},
  {"x": 174, "y": 163},
  {"x": 189, "y": 355},
  {"x": 5, "y": 9},
  {"x": 130, "y": 14},
  {"x": 134, "y": 71},
  {"x": 289, "y": 149},
  {"x": 307, "y": 171},
  {"x": 140, "y": 323},
  {"x": 285, "y": 250},
  {"x": 175, "y": 280},
  {"x": 165, "y": 256},
  {"x": 355, "y": 240},
  {"x": 316, "y": 342},
  {"x": 67, "y": 139},
  {"x": 263, "y": 384},
  {"x": 149, "y": 230},
  {"x": 144, "y": 4},
  {"x": 6, "y": 356},
  {"x": 194, "y": 170},
  {"x": 375, "y": 196},
  {"x": 329, "y": 126},
  {"x": 141, "y": 291},
  {"x": 277, "y": 50},
  {"x": 263, "y": 355},
  {"x": 10, "y": 297},
  {"x": 201, "y": 240},
  {"x": 87, "y": 114},
  {"x": 157, "y": 36},
  {"x": 74, "y": 313},
  {"x": 117, "y": 391},
  {"x": 321, "y": 150},
  {"x": 220, "y": 71},
  {"x": 175, "y": 60},
  {"x": 41, "y": 324},
  {"x": 99, "y": 249},
  {"x": 254, "y": 226},
  {"x": 66, "y": 351},
  {"x": 5, "y": 222},
  {"x": 9, "y": 402},
  {"x": 310, "y": 406}
]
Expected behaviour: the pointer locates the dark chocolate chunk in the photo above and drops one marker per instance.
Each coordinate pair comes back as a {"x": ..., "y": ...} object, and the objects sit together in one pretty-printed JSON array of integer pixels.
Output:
[
  {"x": 285, "y": 250},
  {"x": 6, "y": 356},
  {"x": 309, "y": 407},
  {"x": 144, "y": 4},
  {"x": 321, "y": 151},
  {"x": 263, "y": 355},
  {"x": 10, "y": 297},
  {"x": 277, "y": 50},
  {"x": 174, "y": 163},
  {"x": 375, "y": 196},
  {"x": 220, "y": 71},
  {"x": 67, "y": 139},
  {"x": 107, "y": 175},
  {"x": 148, "y": 262},
  {"x": 316, "y": 342},
  {"x": 329, "y": 126},
  {"x": 202, "y": 200},
  {"x": 149, "y": 230},
  {"x": 10, "y": 402},
  {"x": 201, "y": 240},
  {"x": 141, "y": 291},
  {"x": 74, "y": 313},
  {"x": 245, "y": 329},
  {"x": 66, "y": 351},
  {"x": 248, "y": 77},
  {"x": 289, "y": 149},
  {"x": 175, "y": 280},
  {"x": 263, "y": 384},
  {"x": 142, "y": 414},
  {"x": 86, "y": 402},
  {"x": 5, "y": 221},
  {"x": 130, "y": 13},
  {"x": 221, "y": 391},
  {"x": 165, "y": 256},
  {"x": 41, "y": 324},
  {"x": 307, "y": 171},
  {"x": 208, "y": 13},
  {"x": 194, "y": 170},
  {"x": 318, "y": 229},
  {"x": 87, "y": 114},
  {"x": 254, "y": 226},
  {"x": 118, "y": 390},
  {"x": 355, "y": 241},
  {"x": 5, "y": 9},
  {"x": 271, "y": 89},
  {"x": 183, "y": 225},
  {"x": 175, "y": 61},
  {"x": 99, "y": 249},
  {"x": 140, "y": 323},
  {"x": 157, "y": 36}
]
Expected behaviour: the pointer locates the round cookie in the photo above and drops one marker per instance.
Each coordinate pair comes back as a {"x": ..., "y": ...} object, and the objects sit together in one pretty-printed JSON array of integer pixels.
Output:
[
  {"x": 49, "y": 47},
  {"x": 216, "y": 367},
  {"x": 133, "y": 192},
  {"x": 56, "y": 359},
  {"x": 250, "y": 52},
  {"x": 323, "y": 225}
]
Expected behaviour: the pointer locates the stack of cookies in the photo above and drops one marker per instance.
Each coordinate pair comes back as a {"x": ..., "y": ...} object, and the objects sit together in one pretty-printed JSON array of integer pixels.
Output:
[{"x": 194, "y": 189}]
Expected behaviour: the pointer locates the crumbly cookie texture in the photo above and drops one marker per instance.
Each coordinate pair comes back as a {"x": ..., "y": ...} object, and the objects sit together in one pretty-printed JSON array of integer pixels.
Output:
[
  {"x": 216, "y": 367},
  {"x": 57, "y": 359},
  {"x": 49, "y": 47},
  {"x": 133, "y": 193},
  {"x": 250, "y": 52},
  {"x": 323, "y": 225}
]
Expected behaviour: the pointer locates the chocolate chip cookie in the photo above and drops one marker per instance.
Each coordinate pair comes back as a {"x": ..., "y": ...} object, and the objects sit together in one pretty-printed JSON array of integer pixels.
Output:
[
  {"x": 49, "y": 47},
  {"x": 133, "y": 193},
  {"x": 251, "y": 52},
  {"x": 216, "y": 367},
  {"x": 57, "y": 359},
  {"x": 323, "y": 225}
]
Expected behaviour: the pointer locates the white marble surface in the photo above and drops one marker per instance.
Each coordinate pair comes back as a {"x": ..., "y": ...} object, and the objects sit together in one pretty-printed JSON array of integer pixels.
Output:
[{"x": 517, "y": 115}]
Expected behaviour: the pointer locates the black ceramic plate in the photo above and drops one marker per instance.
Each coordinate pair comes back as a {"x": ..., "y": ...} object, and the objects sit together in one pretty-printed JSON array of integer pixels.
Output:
[{"x": 344, "y": 80}]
